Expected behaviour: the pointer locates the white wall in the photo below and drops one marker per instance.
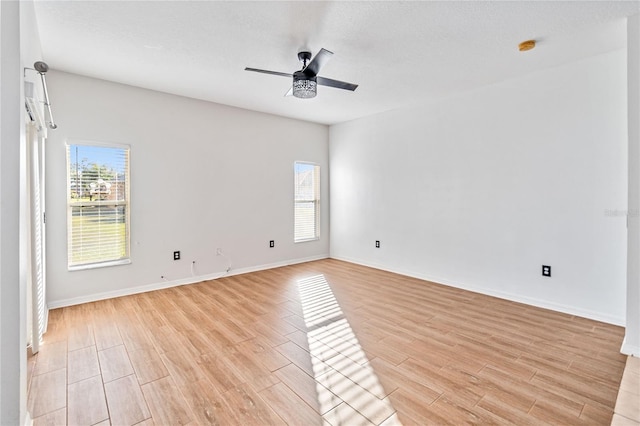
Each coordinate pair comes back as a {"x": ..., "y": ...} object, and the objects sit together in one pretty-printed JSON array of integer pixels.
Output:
[
  {"x": 203, "y": 176},
  {"x": 479, "y": 190},
  {"x": 19, "y": 47},
  {"x": 632, "y": 332},
  {"x": 11, "y": 409}
]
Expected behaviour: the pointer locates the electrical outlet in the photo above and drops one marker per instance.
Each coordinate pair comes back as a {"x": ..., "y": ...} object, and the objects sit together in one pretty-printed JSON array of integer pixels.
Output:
[
  {"x": 218, "y": 251},
  {"x": 272, "y": 243},
  {"x": 176, "y": 255},
  {"x": 546, "y": 270},
  {"x": 377, "y": 244}
]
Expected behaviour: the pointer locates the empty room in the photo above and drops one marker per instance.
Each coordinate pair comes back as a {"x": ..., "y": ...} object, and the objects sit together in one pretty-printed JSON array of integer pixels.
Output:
[{"x": 310, "y": 213}]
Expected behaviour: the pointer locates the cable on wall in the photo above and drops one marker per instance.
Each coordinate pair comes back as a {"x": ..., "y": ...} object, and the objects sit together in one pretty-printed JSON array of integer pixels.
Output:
[{"x": 222, "y": 274}]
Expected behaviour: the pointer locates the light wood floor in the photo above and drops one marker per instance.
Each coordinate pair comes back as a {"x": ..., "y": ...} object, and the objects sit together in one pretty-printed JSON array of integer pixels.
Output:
[
  {"x": 325, "y": 341},
  {"x": 627, "y": 410}
]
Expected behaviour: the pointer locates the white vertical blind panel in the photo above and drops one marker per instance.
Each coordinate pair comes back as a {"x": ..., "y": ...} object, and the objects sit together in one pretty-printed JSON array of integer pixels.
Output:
[{"x": 38, "y": 292}]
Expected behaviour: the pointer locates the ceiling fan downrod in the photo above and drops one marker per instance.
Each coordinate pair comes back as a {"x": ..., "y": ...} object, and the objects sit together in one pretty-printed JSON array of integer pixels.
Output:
[{"x": 303, "y": 57}]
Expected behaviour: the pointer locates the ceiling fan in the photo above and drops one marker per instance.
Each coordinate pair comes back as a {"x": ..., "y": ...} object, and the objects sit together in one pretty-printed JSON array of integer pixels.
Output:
[{"x": 306, "y": 80}]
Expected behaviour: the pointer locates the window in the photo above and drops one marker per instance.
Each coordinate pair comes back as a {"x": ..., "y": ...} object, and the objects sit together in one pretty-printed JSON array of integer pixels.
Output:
[
  {"x": 307, "y": 202},
  {"x": 97, "y": 205}
]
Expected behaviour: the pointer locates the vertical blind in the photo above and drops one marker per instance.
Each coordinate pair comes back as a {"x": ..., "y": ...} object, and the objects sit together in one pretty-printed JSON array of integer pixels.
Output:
[
  {"x": 98, "y": 204},
  {"x": 36, "y": 257},
  {"x": 306, "y": 201}
]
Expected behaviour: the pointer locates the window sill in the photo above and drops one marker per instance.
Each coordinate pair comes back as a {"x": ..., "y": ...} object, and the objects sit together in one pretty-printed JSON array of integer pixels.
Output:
[
  {"x": 99, "y": 265},
  {"x": 306, "y": 240}
]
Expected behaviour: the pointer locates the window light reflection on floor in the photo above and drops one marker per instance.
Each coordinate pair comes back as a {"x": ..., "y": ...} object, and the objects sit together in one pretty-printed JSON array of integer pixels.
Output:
[{"x": 340, "y": 366}]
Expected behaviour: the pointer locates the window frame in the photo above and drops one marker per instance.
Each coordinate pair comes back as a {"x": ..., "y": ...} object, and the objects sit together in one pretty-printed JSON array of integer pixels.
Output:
[
  {"x": 70, "y": 204},
  {"x": 316, "y": 201}
]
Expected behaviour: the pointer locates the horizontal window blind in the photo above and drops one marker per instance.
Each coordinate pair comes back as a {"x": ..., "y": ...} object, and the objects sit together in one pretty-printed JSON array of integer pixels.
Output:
[
  {"x": 306, "y": 201},
  {"x": 98, "y": 204}
]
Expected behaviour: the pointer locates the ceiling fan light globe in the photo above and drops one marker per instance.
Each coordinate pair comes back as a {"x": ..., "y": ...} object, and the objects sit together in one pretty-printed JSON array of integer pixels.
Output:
[{"x": 303, "y": 86}]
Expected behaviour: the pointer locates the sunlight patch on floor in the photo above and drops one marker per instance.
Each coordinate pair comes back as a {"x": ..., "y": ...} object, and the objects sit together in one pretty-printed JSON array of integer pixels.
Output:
[{"x": 340, "y": 366}]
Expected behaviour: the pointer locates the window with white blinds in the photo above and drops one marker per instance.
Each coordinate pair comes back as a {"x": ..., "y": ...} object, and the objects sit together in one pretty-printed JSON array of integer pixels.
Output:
[
  {"x": 306, "y": 201},
  {"x": 97, "y": 205}
]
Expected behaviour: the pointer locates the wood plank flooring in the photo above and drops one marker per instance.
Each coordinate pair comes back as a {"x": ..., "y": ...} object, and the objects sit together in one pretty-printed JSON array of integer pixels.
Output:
[
  {"x": 324, "y": 342},
  {"x": 627, "y": 410}
]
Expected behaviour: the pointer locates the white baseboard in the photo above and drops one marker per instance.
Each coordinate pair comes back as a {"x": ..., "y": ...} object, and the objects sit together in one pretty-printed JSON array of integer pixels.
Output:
[
  {"x": 167, "y": 284},
  {"x": 571, "y": 310},
  {"x": 629, "y": 349}
]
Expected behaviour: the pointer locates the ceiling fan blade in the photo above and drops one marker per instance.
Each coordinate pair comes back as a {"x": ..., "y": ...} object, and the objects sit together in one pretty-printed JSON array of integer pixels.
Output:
[
  {"x": 321, "y": 58},
  {"x": 337, "y": 84},
  {"x": 283, "y": 74}
]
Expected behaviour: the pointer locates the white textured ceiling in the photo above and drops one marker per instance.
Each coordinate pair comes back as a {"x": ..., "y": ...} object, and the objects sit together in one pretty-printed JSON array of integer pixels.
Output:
[{"x": 400, "y": 53}]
